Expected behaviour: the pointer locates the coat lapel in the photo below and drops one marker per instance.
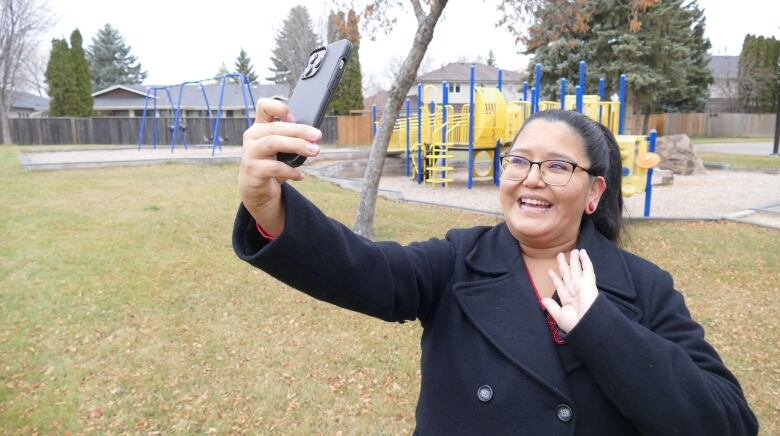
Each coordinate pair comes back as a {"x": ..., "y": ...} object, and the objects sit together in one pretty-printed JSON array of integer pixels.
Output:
[{"x": 504, "y": 309}]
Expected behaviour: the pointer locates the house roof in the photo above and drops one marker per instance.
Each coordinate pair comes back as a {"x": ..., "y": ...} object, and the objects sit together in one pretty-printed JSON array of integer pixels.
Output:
[
  {"x": 122, "y": 97},
  {"x": 25, "y": 100},
  {"x": 460, "y": 71},
  {"x": 724, "y": 67}
]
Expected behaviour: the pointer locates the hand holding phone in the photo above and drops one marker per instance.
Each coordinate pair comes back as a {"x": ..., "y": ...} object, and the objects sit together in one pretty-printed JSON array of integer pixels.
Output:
[{"x": 315, "y": 88}]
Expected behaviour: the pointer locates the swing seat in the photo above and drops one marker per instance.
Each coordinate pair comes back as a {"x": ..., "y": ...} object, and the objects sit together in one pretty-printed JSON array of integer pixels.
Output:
[{"x": 210, "y": 139}]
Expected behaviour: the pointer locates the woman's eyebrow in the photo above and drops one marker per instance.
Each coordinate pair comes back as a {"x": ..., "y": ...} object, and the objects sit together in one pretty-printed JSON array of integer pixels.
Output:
[{"x": 554, "y": 155}]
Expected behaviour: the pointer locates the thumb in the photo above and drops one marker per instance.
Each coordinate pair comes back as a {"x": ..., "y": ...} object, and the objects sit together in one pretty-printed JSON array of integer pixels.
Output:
[{"x": 553, "y": 308}]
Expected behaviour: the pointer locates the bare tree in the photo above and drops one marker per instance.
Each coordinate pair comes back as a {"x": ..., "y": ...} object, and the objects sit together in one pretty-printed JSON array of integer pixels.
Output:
[
  {"x": 376, "y": 14},
  {"x": 22, "y": 23}
]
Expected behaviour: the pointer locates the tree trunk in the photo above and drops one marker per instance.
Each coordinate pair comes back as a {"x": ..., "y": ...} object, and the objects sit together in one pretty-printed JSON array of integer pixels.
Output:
[
  {"x": 5, "y": 125},
  {"x": 364, "y": 222}
]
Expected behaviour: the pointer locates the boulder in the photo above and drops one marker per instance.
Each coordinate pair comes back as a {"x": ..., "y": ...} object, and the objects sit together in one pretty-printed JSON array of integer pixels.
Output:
[{"x": 677, "y": 154}]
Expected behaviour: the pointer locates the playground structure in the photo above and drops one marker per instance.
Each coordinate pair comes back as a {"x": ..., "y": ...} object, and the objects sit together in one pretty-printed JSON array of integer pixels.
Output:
[
  {"x": 178, "y": 125},
  {"x": 487, "y": 124}
]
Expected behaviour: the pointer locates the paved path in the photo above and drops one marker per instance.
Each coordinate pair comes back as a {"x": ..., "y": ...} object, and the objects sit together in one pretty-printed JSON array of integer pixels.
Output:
[{"x": 751, "y": 148}]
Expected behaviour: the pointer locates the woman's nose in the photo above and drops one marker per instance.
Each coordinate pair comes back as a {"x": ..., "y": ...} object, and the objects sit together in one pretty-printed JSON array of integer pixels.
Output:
[{"x": 534, "y": 177}]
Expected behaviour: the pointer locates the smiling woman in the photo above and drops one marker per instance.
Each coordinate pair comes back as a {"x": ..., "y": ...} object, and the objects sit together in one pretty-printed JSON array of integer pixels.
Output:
[{"x": 538, "y": 325}]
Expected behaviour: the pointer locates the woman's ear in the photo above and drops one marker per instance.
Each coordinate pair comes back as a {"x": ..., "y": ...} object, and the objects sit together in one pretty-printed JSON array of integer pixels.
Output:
[{"x": 597, "y": 187}]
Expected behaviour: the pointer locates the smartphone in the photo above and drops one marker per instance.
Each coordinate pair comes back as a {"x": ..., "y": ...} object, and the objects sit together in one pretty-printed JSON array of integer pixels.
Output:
[{"x": 315, "y": 87}]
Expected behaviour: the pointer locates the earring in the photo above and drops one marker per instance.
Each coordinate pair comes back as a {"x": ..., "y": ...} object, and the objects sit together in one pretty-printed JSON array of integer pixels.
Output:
[{"x": 591, "y": 207}]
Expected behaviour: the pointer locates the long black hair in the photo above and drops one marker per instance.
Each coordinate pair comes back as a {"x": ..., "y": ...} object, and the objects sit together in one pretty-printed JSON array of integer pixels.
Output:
[{"x": 604, "y": 155}]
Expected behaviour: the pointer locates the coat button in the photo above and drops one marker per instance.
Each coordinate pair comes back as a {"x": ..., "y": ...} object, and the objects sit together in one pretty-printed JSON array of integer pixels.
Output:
[
  {"x": 564, "y": 413},
  {"x": 485, "y": 393}
]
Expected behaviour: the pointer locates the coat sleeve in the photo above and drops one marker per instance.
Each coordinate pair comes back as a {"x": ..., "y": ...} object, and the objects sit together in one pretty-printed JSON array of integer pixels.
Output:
[
  {"x": 666, "y": 378},
  {"x": 323, "y": 258}
]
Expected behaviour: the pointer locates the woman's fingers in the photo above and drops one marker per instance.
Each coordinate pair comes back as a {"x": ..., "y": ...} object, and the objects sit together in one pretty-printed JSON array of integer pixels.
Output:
[
  {"x": 268, "y": 146},
  {"x": 269, "y": 109}
]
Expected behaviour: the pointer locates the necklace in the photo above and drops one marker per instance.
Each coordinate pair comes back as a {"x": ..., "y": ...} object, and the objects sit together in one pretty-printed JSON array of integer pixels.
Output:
[{"x": 551, "y": 324}]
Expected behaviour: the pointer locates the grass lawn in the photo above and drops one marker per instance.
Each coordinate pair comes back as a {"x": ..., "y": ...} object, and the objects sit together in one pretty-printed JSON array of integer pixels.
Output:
[
  {"x": 726, "y": 139},
  {"x": 741, "y": 160},
  {"x": 124, "y": 309}
]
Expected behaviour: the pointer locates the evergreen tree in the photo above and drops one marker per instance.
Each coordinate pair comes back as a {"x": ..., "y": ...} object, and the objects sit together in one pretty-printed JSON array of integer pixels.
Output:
[
  {"x": 491, "y": 60},
  {"x": 349, "y": 94},
  {"x": 82, "y": 95},
  {"x": 759, "y": 73},
  {"x": 294, "y": 42},
  {"x": 659, "y": 46},
  {"x": 59, "y": 78},
  {"x": 244, "y": 66},
  {"x": 222, "y": 70},
  {"x": 110, "y": 61}
]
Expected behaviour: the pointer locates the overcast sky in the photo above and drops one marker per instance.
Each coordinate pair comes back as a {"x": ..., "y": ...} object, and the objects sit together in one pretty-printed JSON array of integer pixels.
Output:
[{"x": 189, "y": 40}]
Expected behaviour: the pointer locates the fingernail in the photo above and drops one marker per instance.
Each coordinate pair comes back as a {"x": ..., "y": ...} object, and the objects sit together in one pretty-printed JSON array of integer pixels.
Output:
[
  {"x": 312, "y": 148},
  {"x": 314, "y": 134}
]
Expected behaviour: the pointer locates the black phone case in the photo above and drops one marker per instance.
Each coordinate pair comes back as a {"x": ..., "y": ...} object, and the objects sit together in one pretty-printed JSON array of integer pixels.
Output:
[{"x": 315, "y": 87}]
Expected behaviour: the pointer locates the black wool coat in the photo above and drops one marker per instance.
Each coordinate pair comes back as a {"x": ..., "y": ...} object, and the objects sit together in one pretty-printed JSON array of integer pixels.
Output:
[{"x": 635, "y": 364}]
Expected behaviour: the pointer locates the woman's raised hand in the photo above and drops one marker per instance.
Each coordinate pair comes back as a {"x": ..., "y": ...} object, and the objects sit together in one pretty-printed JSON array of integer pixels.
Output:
[
  {"x": 260, "y": 176},
  {"x": 576, "y": 288}
]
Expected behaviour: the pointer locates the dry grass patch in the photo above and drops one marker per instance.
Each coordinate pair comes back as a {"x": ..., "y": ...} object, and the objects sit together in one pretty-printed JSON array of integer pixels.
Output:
[{"x": 124, "y": 309}]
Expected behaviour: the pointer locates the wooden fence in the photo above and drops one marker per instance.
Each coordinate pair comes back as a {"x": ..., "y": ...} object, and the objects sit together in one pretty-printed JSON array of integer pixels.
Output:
[
  {"x": 354, "y": 130},
  {"x": 706, "y": 124},
  {"x": 125, "y": 130}
]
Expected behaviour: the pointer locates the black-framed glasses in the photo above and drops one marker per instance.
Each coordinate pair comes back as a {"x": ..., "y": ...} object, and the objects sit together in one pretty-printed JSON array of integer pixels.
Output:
[{"x": 554, "y": 172}]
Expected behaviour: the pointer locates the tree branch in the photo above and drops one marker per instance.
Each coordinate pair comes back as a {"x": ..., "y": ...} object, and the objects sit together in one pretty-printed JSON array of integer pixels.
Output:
[{"x": 418, "y": 11}]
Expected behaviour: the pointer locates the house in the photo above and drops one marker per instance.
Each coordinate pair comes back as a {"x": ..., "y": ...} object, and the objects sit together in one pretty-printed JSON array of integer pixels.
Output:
[
  {"x": 456, "y": 74},
  {"x": 129, "y": 100},
  {"x": 26, "y": 105},
  {"x": 724, "y": 89}
]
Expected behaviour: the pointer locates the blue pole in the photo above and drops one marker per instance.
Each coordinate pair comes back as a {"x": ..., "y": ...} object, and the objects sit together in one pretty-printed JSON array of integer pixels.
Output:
[
  {"x": 219, "y": 115},
  {"x": 649, "y": 183},
  {"x": 445, "y": 101},
  {"x": 581, "y": 94},
  {"x": 177, "y": 118},
  {"x": 245, "y": 82},
  {"x": 143, "y": 120},
  {"x": 471, "y": 127},
  {"x": 500, "y": 80},
  {"x": 563, "y": 93},
  {"x": 419, "y": 133},
  {"x": 154, "y": 120},
  {"x": 578, "y": 101},
  {"x": 373, "y": 122},
  {"x": 525, "y": 90},
  {"x": 533, "y": 100},
  {"x": 538, "y": 86},
  {"x": 170, "y": 101},
  {"x": 408, "y": 157},
  {"x": 622, "y": 103},
  {"x": 601, "y": 97}
]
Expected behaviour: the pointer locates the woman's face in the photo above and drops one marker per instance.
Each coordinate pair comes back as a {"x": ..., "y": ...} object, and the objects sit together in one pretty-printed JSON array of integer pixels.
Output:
[{"x": 539, "y": 214}]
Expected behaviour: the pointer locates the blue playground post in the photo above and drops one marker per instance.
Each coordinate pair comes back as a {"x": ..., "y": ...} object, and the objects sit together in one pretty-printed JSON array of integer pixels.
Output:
[
  {"x": 581, "y": 83},
  {"x": 216, "y": 141},
  {"x": 408, "y": 157},
  {"x": 143, "y": 120},
  {"x": 500, "y": 77},
  {"x": 538, "y": 86},
  {"x": 154, "y": 120},
  {"x": 471, "y": 128},
  {"x": 533, "y": 100},
  {"x": 525, "y": 90},
  {"x": 649, "y": 183},
  {"x": 419, "y": 133},
  {"x": 563, "y": 93},
  {"x": 373, "y": 122},
  {"x": 445, "y": 101},
  {"x": 497, "y": 152},
  {"x": 601, "y": 96},
  {"x": 577, "y": 101},
  {"x": 622, "y": 103}
]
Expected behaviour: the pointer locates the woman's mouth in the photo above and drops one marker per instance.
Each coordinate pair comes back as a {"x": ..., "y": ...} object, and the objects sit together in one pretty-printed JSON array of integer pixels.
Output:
[{"x": 533, "y": 204}]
